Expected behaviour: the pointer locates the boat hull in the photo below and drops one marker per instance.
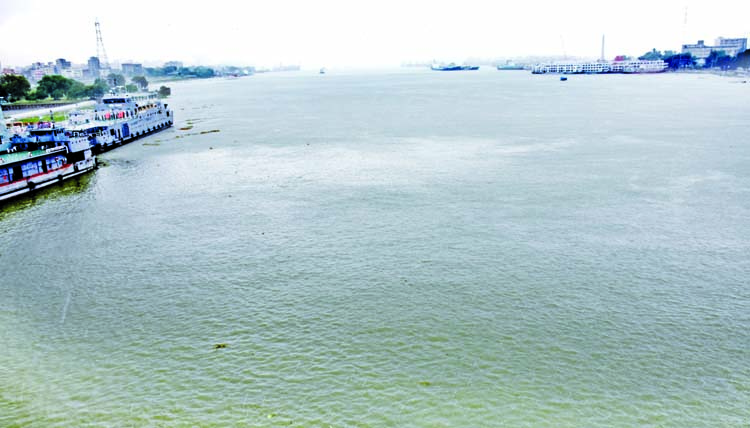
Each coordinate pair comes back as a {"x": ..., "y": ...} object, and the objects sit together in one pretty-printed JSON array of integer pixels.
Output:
[{"x": 39, "y": 181}]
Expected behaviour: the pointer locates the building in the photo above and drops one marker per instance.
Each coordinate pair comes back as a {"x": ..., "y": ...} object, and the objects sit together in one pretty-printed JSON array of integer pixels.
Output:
[
  {"x": 177, "y": 64},
  {"x": 131, "y": 69},
  {"x": 61, "y": 64},
  {"x": 732, "y": 46},
  {"x": 700, "y": 51},
  {"x": 75, "y": 73},
  {"x": 94, "y": 67}
]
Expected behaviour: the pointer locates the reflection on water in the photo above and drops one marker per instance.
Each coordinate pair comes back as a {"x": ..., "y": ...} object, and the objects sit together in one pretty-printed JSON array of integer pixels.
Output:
[{"x": 72, "y": 187}]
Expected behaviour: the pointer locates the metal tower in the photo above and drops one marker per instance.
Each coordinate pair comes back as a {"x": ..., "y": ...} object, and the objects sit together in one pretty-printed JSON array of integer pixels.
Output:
[{"x": 101, "y": 53}]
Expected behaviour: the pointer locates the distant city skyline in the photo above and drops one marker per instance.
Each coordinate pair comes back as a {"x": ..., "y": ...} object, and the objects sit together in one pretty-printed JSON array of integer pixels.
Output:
[{"x": 357, "y": 34}]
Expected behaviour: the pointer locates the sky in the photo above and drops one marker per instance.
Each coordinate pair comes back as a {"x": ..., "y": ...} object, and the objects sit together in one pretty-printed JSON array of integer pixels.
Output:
[{"x": 365, "y": 33}]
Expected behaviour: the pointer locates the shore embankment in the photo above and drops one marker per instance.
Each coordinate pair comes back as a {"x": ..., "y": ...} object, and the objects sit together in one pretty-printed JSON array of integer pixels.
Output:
[{"x": 43, "y": 109}]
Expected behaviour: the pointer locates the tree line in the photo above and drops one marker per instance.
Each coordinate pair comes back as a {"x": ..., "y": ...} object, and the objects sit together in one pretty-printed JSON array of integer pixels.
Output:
[
  {"x": 716, "y": 59},
  {"x": 15, "y": 87},
  {"x": 200, "y": 72}
]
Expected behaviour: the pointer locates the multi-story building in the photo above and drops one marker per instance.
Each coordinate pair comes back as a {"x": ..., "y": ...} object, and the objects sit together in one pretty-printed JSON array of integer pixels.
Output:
[
  {"x": 94, "y": 67},
  {"x": 732, "y": 46},
  {"x": 75, "y": 73},
  {"x": 700, "y": 51},
  {"x": 61, "y": 64},
  {"x": 131, "y": 69}
]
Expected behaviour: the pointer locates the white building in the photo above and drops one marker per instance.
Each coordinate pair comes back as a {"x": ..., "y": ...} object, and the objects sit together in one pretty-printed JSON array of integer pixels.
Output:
[
  {"x": 731, "y": 46},
  {"x": 700, "y": 51}
]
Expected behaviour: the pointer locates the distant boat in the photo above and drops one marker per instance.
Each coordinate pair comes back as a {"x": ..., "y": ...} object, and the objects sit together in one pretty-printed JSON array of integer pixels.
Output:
[
  {"x": 509, "y": 66},
  {"x": 453, "y": 67},
  {"x": 563, "y": 78},
  {"x": 322, "y": 71}
]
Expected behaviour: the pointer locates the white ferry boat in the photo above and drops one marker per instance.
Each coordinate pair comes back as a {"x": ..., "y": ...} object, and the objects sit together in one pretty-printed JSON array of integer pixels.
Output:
[
  {"x": 121, "y": 118},
  {"x": 46, "y": 153},
  {"x": 602, "y": 67}
]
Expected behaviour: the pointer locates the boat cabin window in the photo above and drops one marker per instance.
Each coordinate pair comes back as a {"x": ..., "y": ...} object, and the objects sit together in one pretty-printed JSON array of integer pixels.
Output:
[
  {"x": 114, "y": 101},
  {"x": 31, "y": 168},
  {"x": 6, "y": 175}
]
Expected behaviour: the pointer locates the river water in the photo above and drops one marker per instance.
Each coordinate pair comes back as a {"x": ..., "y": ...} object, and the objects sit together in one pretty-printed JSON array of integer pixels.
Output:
[{"x": 404, "y": 248}]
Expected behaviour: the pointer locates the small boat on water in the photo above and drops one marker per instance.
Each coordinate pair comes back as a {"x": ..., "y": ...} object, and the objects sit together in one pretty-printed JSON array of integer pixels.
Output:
[
  {"x": 563, "y": 79},
  {"x": 322, "y": 70}
]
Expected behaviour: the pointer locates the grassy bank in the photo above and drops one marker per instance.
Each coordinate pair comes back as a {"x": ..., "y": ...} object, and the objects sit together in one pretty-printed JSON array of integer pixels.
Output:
[{"x": 56, "y": 117}]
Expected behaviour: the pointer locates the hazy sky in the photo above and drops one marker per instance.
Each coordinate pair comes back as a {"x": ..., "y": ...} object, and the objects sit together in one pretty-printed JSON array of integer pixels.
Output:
[{"x": 354, "y": 33}]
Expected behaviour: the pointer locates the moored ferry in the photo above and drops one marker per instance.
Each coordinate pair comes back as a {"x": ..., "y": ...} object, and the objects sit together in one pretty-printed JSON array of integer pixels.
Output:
[
  {"x": 602, "y": 67},
  {"x": 121, "y": 118},
  {"x": 46, "y": 153},
  {"x": 45, "y": 156}
]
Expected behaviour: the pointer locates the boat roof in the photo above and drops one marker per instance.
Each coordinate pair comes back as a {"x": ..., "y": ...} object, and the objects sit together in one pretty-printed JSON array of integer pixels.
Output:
[{"x": 16, "y": 157}]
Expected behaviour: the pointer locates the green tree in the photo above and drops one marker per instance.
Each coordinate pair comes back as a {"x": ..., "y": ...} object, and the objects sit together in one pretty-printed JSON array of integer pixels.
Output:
[
  {"x": 654, "y": 55},
  {"x": 52, "y": 83},
  {"x": 131, "y": 87},
  {"x": 77, "y": 90},
  {"x": 165, "y": 91},
  {"x": 35, "y": 96},
  {"x": 13, "y": 87},
  {"x": 743, "y": 59},
  {"x": 141, "y": 82},
  {"x": 115, "y": 79},
  {"x": 680, "y": 60},
  {"x": 98, "y": 89}
]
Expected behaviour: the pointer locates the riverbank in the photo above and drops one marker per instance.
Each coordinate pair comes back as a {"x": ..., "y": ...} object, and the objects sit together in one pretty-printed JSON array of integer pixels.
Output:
[{"x": 41, "y": 111}]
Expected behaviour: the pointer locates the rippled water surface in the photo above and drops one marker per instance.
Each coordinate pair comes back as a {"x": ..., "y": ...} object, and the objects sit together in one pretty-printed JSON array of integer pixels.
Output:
[{"x": 399, "y": 249}]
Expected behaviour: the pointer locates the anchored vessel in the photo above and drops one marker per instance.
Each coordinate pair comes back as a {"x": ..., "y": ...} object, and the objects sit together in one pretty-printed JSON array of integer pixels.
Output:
[
  {"x": 119, "y": 119},
  {"x": 509, "y": 66},
  {"x": 453, "y": 67},
  {"x": 602, "y": 67},
  {"x": 43, "y": 154}
]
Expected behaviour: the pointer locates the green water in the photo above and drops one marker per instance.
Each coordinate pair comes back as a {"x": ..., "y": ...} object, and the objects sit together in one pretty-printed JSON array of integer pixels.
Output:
[{"x": 405, "y": 249}]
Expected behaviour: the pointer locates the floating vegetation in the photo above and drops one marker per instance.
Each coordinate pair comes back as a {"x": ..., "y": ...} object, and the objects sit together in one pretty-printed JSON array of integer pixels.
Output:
[
  {"x": 220, "y": 346},
  {"x": 186, "y": 128},
  {"x": 208, "y": 132},
  {"x": 151, "y": 144},
  {"x": 425, "y": 383}
]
